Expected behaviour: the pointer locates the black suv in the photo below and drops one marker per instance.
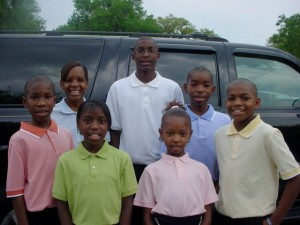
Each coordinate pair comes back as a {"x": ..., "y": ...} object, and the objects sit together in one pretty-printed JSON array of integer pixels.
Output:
[{"x": 108, "y": 58}]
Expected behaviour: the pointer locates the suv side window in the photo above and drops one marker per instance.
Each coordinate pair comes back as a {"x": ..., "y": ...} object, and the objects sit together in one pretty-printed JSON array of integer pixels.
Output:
[
  {"x": 277, "y": 83},
  {"x": 176, "y": 66},
  {"x": 47, "y": 56}
]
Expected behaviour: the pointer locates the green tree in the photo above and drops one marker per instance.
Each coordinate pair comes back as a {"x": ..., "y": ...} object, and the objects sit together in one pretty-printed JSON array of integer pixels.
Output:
[
  {"x": 20, "y": 15},
  {"x": 208, "y": 32},
  {"x": 175, "y": 25},
  {"x": 110, "y": 15},
  {"x": 178, "y": 25},
  {"x": 288, "y": 36}
]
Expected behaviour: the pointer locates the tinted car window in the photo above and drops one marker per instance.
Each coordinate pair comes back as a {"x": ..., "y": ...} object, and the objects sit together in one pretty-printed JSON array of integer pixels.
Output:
[
  {"x": 176, "y": 66},
  {"x": 47, "y": 56},
  {"x": 277, "y": 83}
]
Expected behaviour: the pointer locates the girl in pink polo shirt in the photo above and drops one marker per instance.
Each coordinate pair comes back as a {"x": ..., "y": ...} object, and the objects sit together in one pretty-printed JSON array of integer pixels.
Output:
[{"x": 176, "y": 190}]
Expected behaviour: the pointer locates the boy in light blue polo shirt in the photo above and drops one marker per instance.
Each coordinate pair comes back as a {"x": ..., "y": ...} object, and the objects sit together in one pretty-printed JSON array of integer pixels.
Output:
[{"x": 205, "y": 120}]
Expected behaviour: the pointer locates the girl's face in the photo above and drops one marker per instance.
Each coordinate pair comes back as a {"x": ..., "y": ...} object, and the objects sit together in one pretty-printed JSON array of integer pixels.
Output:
[
  {"x": 93, "y": 125},
  {"x": 75, "y": 84},
  {"x": 176, "y": 133},
  {"x": 241, "y": 103}
]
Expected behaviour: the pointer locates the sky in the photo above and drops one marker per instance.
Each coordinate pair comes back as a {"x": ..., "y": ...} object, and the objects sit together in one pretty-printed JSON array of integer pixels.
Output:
[{"x": 243, "y": 21}]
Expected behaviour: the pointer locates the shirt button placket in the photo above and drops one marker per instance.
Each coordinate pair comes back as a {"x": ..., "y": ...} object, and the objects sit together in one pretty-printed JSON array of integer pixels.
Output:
[
  {"x": 235, "y": 147},
  {"x": 92, "y": 165}
]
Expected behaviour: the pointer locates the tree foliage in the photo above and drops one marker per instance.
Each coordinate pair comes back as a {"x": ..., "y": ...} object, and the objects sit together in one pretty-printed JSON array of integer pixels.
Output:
[
  {"x": 178, "y": 25},
  {"x": 124, "y": 16},
  {"x": 288, "y": 36},
  {"x": 175, "y": 25},
  {"x": 110, "y": 15},
  {"x": 208, "y": 32},
  {"x": 20, "y": 15}
]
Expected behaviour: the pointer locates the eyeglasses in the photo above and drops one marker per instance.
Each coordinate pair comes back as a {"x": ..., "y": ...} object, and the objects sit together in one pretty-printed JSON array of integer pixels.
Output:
[{"x": 142, "y": 51}]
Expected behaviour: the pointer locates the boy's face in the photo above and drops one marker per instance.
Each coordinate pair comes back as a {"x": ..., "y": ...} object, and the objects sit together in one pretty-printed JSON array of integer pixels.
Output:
[
  {"x": 199, "y": 88},
  {"x": 75, "y": 84},
  {"x": 40, "y": 100},
  {"x": 176, "y": 133},
  {"x": 93, "y": 125},
  {"x": 145, "y": 55},
  {"x": 241, "y": 103}
]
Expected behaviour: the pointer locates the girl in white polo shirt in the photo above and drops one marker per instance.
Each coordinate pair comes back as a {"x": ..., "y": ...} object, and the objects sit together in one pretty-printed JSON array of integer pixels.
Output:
[{"x": 74, "y": 83}]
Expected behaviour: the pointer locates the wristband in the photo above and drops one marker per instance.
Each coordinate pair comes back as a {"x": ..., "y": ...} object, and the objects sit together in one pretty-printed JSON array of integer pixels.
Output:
[{"x": 269, "y": 222}]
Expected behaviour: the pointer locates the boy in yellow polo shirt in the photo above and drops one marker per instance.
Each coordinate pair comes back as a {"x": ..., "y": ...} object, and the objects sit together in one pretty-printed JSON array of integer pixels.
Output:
[{"x": 251, "y": 156}]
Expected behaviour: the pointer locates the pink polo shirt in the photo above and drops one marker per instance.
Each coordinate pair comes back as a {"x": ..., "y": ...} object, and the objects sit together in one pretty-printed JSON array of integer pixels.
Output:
[
  {"x": 32, "y": 156},
  {"x": 176, "y": 187}
]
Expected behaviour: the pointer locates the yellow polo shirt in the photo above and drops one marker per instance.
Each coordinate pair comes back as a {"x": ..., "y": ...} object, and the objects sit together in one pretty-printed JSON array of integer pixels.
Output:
[{"x": 250, "y": 163}]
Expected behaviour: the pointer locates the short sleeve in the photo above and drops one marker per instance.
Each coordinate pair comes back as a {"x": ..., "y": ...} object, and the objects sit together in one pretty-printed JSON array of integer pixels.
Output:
[
  {"x": 210, "y": 191},
  {"x": 282, "y": 157},
  {"x": 128, "y": 180},
  {"x": 112, "y": 103},
  {"x": 178, "y": 94},
  {"x": 59, "y": 190},
  {"x": 145, "y": 195},
  {"x": 16, "y": 170}
]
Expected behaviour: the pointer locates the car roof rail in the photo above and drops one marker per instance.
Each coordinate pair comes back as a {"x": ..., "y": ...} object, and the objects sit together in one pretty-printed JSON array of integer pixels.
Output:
[
  {"x": 21, "y": 32},
  {"x": 195, "y": 35}
]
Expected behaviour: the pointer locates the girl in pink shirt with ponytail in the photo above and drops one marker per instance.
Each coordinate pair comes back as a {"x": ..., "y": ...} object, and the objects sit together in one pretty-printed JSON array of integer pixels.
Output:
[{"x": 176, "y": 190}]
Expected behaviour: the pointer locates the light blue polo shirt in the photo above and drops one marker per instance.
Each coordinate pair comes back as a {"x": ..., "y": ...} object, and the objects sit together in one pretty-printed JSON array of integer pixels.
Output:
[
  {"x": 202, "y": 145},
  {"x": 65, "y": 117}
]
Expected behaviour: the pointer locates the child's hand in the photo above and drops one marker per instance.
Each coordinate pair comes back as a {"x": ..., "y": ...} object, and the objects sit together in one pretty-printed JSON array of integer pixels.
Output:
[{"x": 265, "y": 222}]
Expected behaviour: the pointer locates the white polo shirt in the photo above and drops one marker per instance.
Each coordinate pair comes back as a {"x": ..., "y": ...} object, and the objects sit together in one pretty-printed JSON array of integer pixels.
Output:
[
  {"x": 136, "y": 110},
  {"x": 250, "y": 162}
]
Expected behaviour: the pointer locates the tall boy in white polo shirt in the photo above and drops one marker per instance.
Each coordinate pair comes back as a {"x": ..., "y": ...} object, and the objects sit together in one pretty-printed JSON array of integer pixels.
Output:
[{"x": 136, "y": 105}]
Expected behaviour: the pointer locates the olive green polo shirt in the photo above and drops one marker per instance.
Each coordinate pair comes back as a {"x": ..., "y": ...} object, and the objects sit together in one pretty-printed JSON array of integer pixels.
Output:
[{"x": 94, "y": 184}]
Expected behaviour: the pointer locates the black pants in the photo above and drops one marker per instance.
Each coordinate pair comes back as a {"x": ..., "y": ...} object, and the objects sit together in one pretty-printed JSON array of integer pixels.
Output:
[
  {"x": 219, "y": 219},
  {"x": 137, "y": 212},
  {"x": 48, "y": 216},
  {"x": 159, "y": 219}
]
